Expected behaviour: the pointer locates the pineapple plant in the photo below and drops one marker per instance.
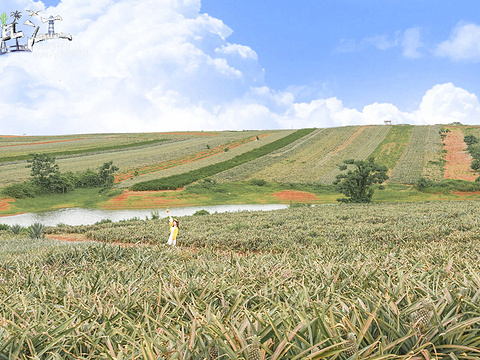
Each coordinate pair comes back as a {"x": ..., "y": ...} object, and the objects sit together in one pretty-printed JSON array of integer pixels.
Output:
[
  {"x": 424, "y": 314},
  {"x": 213, "y": 351},
  {"x": 351, "y": 344},
  {"x": 254, "y": 352}
]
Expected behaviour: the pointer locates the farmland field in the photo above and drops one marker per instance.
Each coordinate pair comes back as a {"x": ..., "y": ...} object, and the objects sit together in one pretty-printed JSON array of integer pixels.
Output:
[
  {"x": 127, "y": 159},
  {"x": 392, "y": 147},
  {"x": 423, "y": 147},
  {"x": 314, "y": 158},
  {"x": 410, "y": 152},
  {"x": 333, "y": 281}
]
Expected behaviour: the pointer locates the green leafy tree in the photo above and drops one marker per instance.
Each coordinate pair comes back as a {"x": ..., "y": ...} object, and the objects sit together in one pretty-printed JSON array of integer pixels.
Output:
[
  {"x": 105, "y": 174},
  {"x": 357, "y": 184},
  {"x": 45, "y": 172}
]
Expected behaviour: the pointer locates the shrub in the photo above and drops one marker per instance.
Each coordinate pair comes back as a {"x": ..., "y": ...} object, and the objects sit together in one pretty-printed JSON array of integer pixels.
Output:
[
  {"x": 16, "y": 229},
  {"x": 470, "y": 140},
  {"x": 423, "y": 183},
  {"x": 37, "y": 231},
  {"x": 201, "y": 213},
  {"x": 258, "y": 182},
  {"x": 21, "y": 191}
]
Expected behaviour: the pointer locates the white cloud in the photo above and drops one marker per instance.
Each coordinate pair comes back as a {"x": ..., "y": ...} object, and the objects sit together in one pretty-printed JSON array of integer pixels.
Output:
[
  {"x": 234, "y": 49},
  {"x": 160, "y": 65},
  {"x": 411, "y": 43},
  {"x": 463, "y": 44},
  {"x": 446, "y": 103}
]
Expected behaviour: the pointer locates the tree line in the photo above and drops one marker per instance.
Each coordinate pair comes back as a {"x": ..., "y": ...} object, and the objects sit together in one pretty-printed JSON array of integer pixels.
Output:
[{"x": 46, "y": 178}]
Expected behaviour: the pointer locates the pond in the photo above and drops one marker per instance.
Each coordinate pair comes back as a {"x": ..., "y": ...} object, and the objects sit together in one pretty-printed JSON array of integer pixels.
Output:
[{"x": 77, "y": 216}]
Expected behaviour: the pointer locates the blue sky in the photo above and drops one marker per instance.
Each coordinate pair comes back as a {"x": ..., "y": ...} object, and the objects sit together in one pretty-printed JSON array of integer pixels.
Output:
[
  {"x": 229, "y": 64},
  {"x": 324, "y": 45}
]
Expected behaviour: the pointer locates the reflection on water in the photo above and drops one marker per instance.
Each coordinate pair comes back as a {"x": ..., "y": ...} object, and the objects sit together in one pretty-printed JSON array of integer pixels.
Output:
[{"x": 76, "y": 216}]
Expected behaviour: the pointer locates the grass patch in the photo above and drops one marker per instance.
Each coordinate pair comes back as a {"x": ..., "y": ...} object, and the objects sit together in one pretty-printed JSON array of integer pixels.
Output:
[{"x": 83, "y": 198}]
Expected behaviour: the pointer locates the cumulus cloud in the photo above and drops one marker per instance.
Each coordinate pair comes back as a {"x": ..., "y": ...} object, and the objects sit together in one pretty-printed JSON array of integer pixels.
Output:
[
  {"x": 162, "y": 65},
  {"x": 446, "y": 103},
  {"x": 463, "y": 44}
]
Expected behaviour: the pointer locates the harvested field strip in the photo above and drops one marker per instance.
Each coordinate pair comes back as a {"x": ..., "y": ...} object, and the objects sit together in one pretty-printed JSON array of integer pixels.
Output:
[
  {"x": 185, "y": 159},
  {"x": 421, "y": 146},
  {"x": 457, "y": 158},
  {"x": 393, "y": 146},
  {"x": 42, "y": 142},
  {"x": 359, "y": 147}
]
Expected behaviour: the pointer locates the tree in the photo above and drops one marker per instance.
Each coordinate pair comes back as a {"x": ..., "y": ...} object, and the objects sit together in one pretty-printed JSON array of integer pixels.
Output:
[
  {"x": 44, "y": 171},
  {"x": 357, "y": 184},
  {"x": 105, "y": 174}
]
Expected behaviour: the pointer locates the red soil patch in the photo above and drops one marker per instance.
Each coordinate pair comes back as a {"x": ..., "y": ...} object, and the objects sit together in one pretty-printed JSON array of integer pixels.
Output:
[
  {"x": 5, "y": 204},
  {"x": 42, "y": 142},
  {"x": 144, "y": 200},
  {"x": 349, "y": 141},
  {"x": 294, "y": 195},
  {"x": 68, "y": 237},
  {"x": 457, "y": 158}
]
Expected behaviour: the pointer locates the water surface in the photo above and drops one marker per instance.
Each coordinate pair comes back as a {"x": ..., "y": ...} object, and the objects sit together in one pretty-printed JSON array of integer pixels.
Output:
[{"x": 77, "y": 216}]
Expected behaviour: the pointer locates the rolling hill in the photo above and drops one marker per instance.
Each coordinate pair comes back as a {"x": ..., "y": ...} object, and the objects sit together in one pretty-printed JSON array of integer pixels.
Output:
[{"x": 312, "y": 156}]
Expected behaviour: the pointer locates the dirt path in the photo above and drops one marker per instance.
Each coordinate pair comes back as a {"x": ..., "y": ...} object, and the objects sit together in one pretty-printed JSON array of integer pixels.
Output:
[{"x": 457, "y": 158}]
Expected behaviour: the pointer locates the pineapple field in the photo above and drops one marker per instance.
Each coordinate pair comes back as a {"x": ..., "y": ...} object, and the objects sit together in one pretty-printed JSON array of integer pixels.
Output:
[
  {"x": 377, "y": 281},
  {"x": 409, "y": 152}
]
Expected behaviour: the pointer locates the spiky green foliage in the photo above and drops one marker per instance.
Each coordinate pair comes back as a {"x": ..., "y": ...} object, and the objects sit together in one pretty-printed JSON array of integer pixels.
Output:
[{"x": 368, "y": 274}]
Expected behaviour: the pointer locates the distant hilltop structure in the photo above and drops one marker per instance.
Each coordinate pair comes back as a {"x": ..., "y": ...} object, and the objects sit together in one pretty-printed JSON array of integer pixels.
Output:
[{"x": 10, "y": 33}]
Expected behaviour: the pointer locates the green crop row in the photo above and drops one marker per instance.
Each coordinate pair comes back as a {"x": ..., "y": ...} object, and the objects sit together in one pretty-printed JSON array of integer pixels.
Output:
[
  {"x": 180, "y": 180},
  {"x": 392, "y": 147}
]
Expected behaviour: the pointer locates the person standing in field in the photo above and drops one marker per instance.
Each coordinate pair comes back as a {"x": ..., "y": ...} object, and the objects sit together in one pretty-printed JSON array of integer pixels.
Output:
[{"x": 172, "y": 240}]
